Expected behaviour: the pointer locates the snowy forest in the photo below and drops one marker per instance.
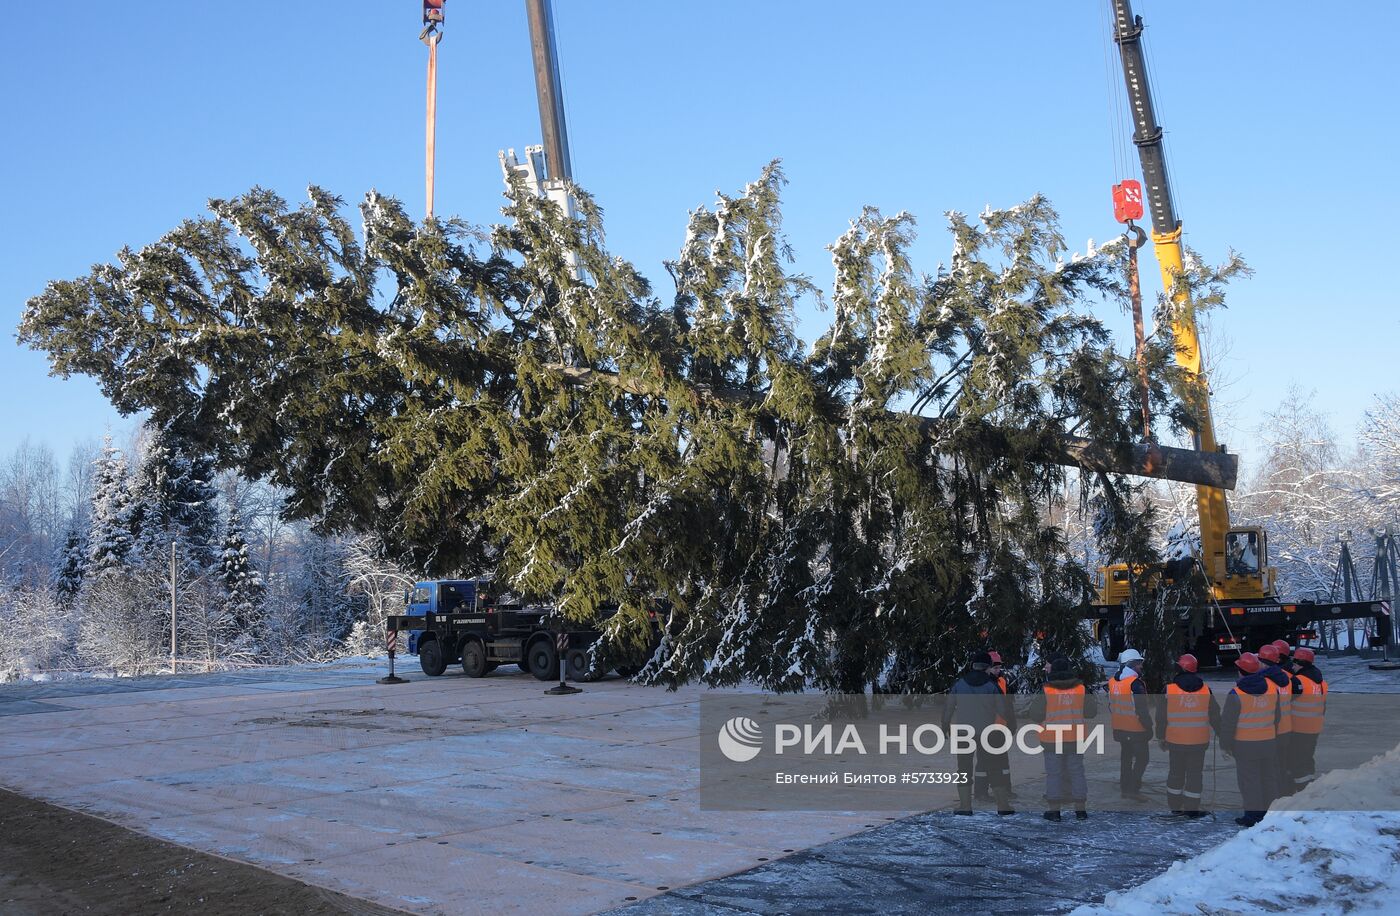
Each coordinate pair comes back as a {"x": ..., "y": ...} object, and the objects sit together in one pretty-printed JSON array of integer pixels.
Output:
[
  {"x": 92, "y": 550},
  {"x": 329, "y": 412}
]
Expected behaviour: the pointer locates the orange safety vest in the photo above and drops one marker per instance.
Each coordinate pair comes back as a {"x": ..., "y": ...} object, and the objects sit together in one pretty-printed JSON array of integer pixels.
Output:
[
  {"x": 1188, "y": 715},
  {"x": 1064, "y": 712},
  {"x": 1256, "y": 721},
  {"x": 1285, "y": 705},
  {"x": 1001, "y": 682},
  {"x": 1310, "y": 706},
  {"x": 1121, "y": 704}
]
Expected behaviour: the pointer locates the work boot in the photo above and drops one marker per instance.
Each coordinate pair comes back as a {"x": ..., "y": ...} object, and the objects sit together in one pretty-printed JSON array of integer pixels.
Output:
[
  {"x": 964, "y": 800},
  {"x": 1080, "y": 814},
  {"x": 1003, "y": 802},
  {"x": 1053, "y": 815}
]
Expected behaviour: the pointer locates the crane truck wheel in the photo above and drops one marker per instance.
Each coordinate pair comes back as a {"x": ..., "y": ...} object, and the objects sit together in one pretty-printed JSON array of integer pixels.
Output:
[
  {"x": 431, "y": 659},
  {"x": 543, "y": 660},
  {"x": 579, "y": 667},
  {"x": 474, "y": 662}
]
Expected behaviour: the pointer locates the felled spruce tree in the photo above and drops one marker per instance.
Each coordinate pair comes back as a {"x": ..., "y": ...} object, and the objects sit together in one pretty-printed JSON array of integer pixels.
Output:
[{"x": 862, "y": 514}]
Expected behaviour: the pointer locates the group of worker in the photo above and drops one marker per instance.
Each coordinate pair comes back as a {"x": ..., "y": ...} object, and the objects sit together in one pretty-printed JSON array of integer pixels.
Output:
[{"x": 1269, "y": 723}]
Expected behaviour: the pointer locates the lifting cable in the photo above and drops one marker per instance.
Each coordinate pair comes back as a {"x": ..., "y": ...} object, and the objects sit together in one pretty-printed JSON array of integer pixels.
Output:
[
  {"x": 1136, "y": 238},
  {"x": 431, "y": 36},
  {"x": 1127, "y": 203}
]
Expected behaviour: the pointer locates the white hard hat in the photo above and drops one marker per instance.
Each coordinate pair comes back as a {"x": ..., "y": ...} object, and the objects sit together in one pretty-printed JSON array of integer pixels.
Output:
[{"x": 1129, "y": 655}]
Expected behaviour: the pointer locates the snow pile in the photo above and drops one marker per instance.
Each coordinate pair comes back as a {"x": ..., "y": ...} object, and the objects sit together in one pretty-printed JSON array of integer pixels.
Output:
[{"x": 1341, "y": 860}]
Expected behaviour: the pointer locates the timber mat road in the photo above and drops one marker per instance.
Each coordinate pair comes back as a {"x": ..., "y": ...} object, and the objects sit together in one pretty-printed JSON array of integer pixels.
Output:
[{"x": 454, "y": 796}]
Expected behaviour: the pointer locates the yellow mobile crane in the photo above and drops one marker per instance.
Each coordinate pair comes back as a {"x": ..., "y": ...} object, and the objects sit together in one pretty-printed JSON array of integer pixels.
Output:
[{"x": 1243, "y": 609}]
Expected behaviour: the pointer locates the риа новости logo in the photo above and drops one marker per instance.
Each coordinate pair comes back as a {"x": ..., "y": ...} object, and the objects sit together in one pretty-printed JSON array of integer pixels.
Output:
[{"x": 740, "y": 739}]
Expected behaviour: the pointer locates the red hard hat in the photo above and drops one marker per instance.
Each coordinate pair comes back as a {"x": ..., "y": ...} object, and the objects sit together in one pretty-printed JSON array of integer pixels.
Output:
[
  {"x": 1269, "y": 653},
  {"x": 1248, "y": 662},
  {"x": 1187, "y": 663},
  {"x": 996, "y": 657},
  {"x": 1304, "y": 654},
  {"x": 1283, "y": 647}
]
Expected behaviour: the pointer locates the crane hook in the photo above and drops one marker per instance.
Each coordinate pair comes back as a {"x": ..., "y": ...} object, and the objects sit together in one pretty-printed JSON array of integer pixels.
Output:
[
  {"x": 433, "y": 22},
  {"x": 1136, "y": 236}
]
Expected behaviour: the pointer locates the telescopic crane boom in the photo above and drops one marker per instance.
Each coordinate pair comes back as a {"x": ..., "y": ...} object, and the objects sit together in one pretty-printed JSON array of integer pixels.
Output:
[
  {"x": 1166, "y": 244},
  {"x": 1244, "y": 609}
]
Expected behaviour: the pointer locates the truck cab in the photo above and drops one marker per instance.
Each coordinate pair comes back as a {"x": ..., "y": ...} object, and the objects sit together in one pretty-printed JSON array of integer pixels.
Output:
[
  {"x": 1248, "y": 575},
  {"x": 443, "y": 596}
]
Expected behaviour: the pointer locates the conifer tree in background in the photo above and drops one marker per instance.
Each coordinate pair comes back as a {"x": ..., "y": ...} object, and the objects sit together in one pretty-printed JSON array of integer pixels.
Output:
[
  {"x": 173, "y": 499},
  {"x": 865, "y": 513},
  {"x": 71, "y": 568},
  {"x": 110, "y": 539},
  {"x": 243, "y": 589},
  {"x": 325, "y": 612}
]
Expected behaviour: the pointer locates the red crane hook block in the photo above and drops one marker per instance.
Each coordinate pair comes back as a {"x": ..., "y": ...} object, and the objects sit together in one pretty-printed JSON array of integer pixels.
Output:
[{"x": 1127, "y": 200}]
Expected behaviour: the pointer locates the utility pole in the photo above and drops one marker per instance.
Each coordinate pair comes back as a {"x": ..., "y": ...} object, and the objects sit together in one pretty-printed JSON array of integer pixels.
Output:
[{"x": 172, "y": 606}]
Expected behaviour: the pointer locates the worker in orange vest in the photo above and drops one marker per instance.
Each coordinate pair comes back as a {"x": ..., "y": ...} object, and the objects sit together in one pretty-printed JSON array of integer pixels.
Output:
[
  {"x": 1132, "y": 722},
  {"x": 1189, "y": 716},
  {"x": 1309, "y": 713},
  {"x": 1248, "y": 732},
  {"x": 997, "y": 766},
  {"x": 1276, "y": 658},
  {"x": 1063, "y": 708}
]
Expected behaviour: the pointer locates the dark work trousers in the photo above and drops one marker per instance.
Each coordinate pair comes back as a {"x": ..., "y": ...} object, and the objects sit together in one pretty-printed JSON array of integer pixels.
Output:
[
  {"x": 1286, "y": 785},
  {"x": 1256, "y": 769},
  {"x": 993, "y": 771},
  {"x": 1302, "y": 749},
  {"x": 981, "y": 766},
  {"x": 1185, "y": 763},
  {"x": 1132, "y": 760},
  {"x": 1064, "y": 778}
]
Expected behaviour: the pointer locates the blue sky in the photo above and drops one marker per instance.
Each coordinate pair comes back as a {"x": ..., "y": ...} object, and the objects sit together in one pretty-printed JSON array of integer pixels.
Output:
[{"x": 122, "y": 119}]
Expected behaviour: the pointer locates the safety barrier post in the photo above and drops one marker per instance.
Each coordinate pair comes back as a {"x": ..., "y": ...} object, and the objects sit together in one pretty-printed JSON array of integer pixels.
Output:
[
  {"x": 391, "y": 639},
  {"x": 561, "y": 645}
]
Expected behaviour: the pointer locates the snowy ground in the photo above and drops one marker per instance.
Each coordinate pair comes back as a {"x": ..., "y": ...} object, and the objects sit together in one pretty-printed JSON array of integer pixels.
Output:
[
  {"x": 448, "y": 795},
  {"x": 443, "y": 795},
  {"x": 1342, "y": 860},
  {"x": 1345, "y": 860}
]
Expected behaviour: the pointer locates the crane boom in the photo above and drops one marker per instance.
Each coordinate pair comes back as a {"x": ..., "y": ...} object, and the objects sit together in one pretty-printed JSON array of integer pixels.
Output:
[
  {"x": 549, "y": 89},
  {"x": 1213, "y": 513}
]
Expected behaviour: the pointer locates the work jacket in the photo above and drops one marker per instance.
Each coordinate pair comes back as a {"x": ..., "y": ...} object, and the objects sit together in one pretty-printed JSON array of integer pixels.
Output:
[
  {"x": 1190, "y": 712},
  {"x": 1007, "y": 715},
  {"x": 1283, "y": 681},
  {"x": 1128, "y": 704},
  {"x": 1250, "y": 713},
  {"x": 1063, "y": 702},
  {"x": 972, "y": 700},
  {"x": 1309, "y": 701}
]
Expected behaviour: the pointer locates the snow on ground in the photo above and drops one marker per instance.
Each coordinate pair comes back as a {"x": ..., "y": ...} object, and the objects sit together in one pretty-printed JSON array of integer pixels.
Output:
[{"x": 1342, "y": 860}]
